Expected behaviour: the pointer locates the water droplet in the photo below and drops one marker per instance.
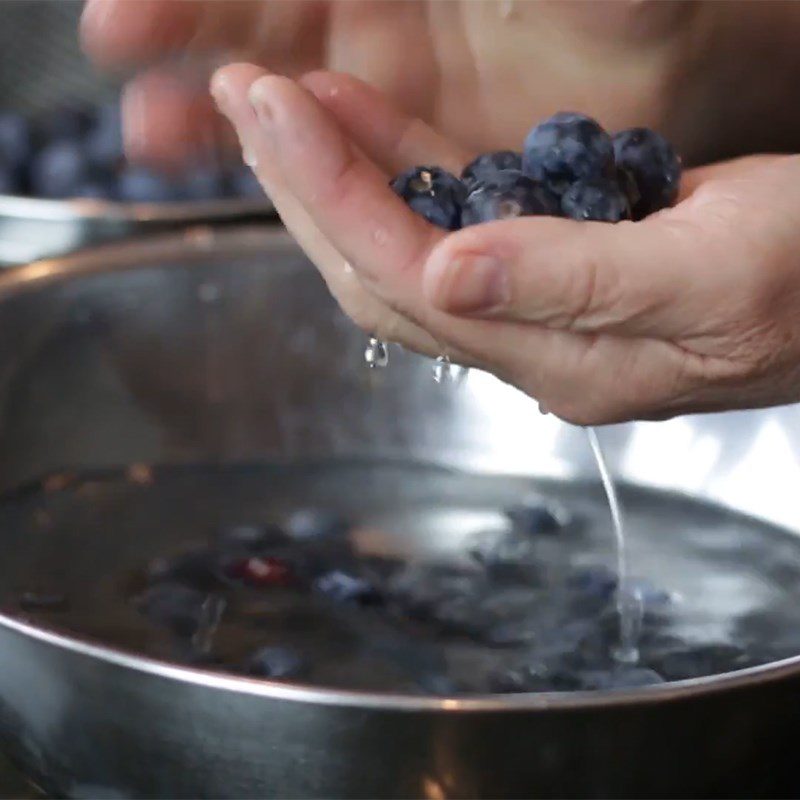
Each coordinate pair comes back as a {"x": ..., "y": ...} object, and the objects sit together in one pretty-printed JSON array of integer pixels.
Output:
[
  {"x": 348, "y": 268},
  {"x": 543, "y": 409},
  {"x": 249, "y": 158},
  {"x": 444, "y": 371},
  {"x": 377, "y": 354},
  {"x": 380, "y": 236}
]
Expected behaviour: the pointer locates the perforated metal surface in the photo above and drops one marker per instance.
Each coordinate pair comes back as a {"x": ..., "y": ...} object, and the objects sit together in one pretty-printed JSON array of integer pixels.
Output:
[{"x": 41, "y": 64}]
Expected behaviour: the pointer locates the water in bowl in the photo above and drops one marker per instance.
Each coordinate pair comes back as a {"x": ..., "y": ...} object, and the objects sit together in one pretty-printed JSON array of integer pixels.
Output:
[{"x": 395, "y": 576}]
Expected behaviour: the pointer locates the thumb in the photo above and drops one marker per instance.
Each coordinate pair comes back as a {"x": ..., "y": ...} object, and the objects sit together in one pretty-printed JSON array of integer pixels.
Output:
[{"x": 644, "y": 278}]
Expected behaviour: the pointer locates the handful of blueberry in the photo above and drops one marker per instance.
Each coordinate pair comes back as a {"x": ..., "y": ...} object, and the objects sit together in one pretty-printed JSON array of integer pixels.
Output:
[
  {"x": 569, "y": 167},
  {"x": 77, "y": 153}
]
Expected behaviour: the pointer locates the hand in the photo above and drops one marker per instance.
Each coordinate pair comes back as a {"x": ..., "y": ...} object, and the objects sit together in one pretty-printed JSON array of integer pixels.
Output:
[
  {"x": 694, "y": 309},
  {"x": 478, "y": 75}
]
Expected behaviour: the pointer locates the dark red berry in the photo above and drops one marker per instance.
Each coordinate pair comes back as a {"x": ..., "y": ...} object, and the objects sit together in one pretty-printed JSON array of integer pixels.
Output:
[{"x": 262, "y": 572}]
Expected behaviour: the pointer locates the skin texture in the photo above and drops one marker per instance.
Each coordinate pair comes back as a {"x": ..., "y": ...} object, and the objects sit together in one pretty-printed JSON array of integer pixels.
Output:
[{"x": 694, "y": 309}]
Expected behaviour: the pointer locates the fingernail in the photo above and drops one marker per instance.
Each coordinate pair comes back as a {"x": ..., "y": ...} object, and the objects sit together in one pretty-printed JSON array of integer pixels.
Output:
[
  {"x": 472, "y": 284},
  {"x": 260, "y": 100},
  {"x": 220, "y": 91}
]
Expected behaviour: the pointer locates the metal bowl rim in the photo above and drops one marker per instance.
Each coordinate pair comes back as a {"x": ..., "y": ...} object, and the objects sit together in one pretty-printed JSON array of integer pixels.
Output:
[
  {"x": 200, "y": 244},
  {"x": 88, "y": 210}
]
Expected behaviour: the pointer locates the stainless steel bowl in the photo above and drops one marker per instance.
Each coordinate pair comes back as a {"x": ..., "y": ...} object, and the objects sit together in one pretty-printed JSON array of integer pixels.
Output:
[
  {"x": 224, "y": 346},
  {"x": 34, "y": 228}
]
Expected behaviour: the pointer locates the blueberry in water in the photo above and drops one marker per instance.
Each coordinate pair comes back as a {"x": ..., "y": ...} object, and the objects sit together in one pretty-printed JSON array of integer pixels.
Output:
[
  {"x": 15, "y": 140},
  {"x": 252, "y": 539},
  {"x": 244, "y": 183},
  {"x": 309, "y": 523},
  {"x": 535, "y": 518},
  {"x": 598, "y": 199},
  {"x": 651, "y": 597},
  {"x": 59, "y": 169},
  {"x": 654, "y": 166},
  {"x": 437, "y": 684},
  {"x": 621, "y": 678},
  {"x": 274, "y": 662},
  {"x": 508, "y": 195},
  {"x": 699, "y": 660},
  {"x": 198, "y": 569},
  {"x": 202, "y": 183},
  {"x": 343, "y": 587},
  {"x": 141, "y": 185},
  {"x": 566, "y": 148},
  {"x": 485, "y": 167},
  {"x": 180, "y": 609},
  {"x": 432, "y": 193}
]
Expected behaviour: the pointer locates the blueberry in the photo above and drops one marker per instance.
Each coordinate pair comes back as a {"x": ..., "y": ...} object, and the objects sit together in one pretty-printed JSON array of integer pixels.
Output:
[
  {"x": 342, "y": 587},
  {"x": 566, "y": 148},
  {"x": 244, "y": 184},
  {"x": 141, "y": 185},
  {"x": 699, "y": 660},
  {"x": 8, "y": 181},
  {"x": 654, "y": 166},
  {"x": 93, "y": 190},
  {"x": 507, "y": 195},
  {"x": 274, "y": 662},
  {"x": 619, "y": 678},
  {"x": 650, "y": 596},
  {"x": 104, "y": 140},
  {"x": 312, "y": 524},
  {"x": 593, "y": 586},
  {"x": 15, "y": 140},
  {"x": 485, "y": 167},
  {"x": 202, "y": 183},
  {"x": 251, "y": 539},
  {"x": 180, "y": 609},
  {"x": 59, "y": 169},
  {"x": 599, "y": 199},
  {"x": 536, "y": 518},
  {"x": 432, "y": 193},
  {"x": 64, "y": 122},
  {"x": 198, "y": 569}
]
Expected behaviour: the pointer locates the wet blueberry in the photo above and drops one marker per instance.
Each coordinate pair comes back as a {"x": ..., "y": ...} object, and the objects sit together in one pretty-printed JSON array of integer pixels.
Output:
[
  {"x": 251, "y": 539},
  {"x": 534, "y": 518},
  {"x": 654, "y": 165},
  {"x": 343, "y": 587},
  {"x": 310, "y": 523},
  {"x": 244, "y": 184},
  {"x": 180, "y": 609},
  {"x": 141, "y": 185},
  {"x": 437, "y": 684},
  {"x": 600, "y": 200},
  {"x": 699, "y": 661},
  {"x": 59, "y": 169},
  {"x": 508, "y": 195},
  {"x": 566, "y": 148},
  {"x": 15, "y": 140},
  {"x": 485, "y": 167},
  {"x": 620, "y": 678},
  {"x": 274, "y": 662},
  {"x": 197, "y": 569},
  {"x": 432, "y": 193},
  {"x": 651, "y": 597}
]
